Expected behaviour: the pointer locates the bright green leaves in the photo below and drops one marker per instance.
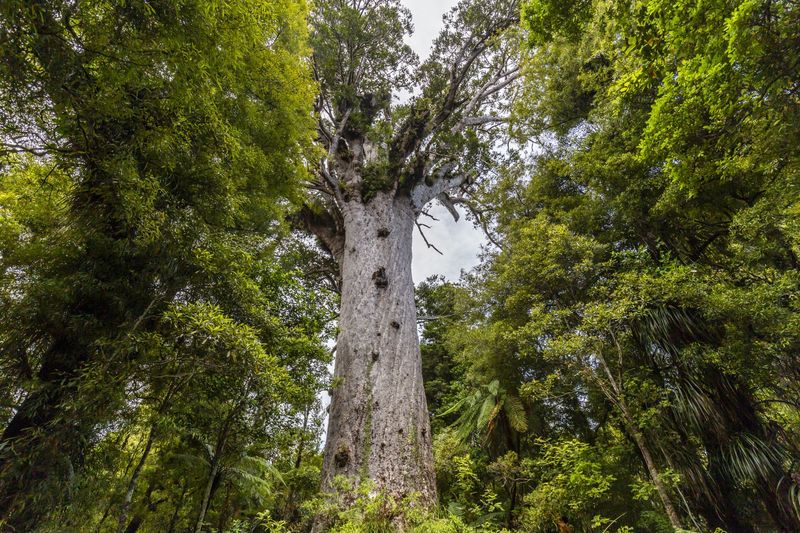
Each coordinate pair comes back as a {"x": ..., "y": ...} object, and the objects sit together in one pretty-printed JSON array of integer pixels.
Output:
[
  {"x": 140, "y": 237},
  {"x": 189, "y": 111},
  {"x": 33, "y": 204},
  {"x": 570, "y": 479},
  {"x": 547, "y": 19},
  {"x": 558, "y": 260}
]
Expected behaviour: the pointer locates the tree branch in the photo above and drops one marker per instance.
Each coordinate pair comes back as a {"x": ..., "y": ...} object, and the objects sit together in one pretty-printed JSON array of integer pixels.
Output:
[
  {"x": 424, "y": 238},
  {"x": 424, "y": 192},
  {"x": 448, "y": 204},
  {"x": 481, "y": 218},
  {"x": 325, "y": 227}
]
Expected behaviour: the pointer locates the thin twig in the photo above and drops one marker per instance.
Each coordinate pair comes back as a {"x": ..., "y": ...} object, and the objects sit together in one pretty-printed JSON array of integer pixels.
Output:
[{"x": 424, "y": 238}]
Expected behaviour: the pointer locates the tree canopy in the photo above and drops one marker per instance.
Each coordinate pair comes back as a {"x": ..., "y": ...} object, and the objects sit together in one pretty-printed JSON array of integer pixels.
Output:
[{"x": 204, "y": 203}]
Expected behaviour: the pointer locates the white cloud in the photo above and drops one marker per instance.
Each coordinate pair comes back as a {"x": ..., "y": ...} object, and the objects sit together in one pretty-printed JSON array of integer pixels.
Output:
[{"x": 427, "y": 16}]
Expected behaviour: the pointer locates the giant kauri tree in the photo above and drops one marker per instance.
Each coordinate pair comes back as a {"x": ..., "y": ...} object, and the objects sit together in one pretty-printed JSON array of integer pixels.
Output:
[{"x": 383, "y": 163}]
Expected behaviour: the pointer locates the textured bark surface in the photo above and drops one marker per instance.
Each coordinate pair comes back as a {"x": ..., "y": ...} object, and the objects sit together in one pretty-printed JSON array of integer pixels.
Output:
[{"x": 378, "y": 426}]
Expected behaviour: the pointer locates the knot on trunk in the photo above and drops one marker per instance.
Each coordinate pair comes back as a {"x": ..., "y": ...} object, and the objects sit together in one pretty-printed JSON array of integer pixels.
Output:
[
  {"x": 383, "y": 233},
  {"x": 342, "y": 457},
  {"x": 379, "y": 276},
  {"x": 395, "y": 324}
]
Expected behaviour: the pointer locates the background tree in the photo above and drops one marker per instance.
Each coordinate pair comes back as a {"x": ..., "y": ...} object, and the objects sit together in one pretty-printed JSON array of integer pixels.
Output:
[
  {"x": 647, "y": 264},
  {"x": 163, "y": 137}
]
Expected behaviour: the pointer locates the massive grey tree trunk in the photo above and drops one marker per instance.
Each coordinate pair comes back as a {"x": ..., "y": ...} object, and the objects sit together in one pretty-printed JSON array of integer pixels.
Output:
[{"x": 378, "y": 428}]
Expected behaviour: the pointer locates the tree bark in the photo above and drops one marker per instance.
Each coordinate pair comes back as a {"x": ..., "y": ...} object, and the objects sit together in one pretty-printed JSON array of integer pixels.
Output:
[
  {"x": 378, "y": 427},
  {"x": 652, "y": 469},
  {"x": 212, "y": 476}
]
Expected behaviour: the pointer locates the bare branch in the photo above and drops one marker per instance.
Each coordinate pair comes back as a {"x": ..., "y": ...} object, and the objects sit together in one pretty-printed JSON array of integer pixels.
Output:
[
  {"x": 338, "y": 135},
  {"x": 494, "y": 85},
  {"x": 424, "y": 238},
  {"x": 481, "y": 218},
  {"x": 478, "y": 121},
  {"x": 432, "y": 318},
  {"x": 425, "y": 213}
]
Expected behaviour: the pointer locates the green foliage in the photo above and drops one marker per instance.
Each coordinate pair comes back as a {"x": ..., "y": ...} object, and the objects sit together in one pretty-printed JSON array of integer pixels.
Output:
[
  {"x": 644, "y": 294},
  {"x": 359, "y": 53},
  {"x": 546, "y": 20},
  {"x": 149, "y": 152},
  {"x": 362, "y": 509},
  {"x": 570, "y": 482},
  {"x": 375, "y": 178},
  {"x": 631, "y": 345}
]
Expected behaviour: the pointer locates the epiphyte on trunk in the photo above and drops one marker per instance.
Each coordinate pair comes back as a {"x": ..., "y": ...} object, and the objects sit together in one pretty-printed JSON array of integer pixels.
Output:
[{"x": 381, "y": 281}]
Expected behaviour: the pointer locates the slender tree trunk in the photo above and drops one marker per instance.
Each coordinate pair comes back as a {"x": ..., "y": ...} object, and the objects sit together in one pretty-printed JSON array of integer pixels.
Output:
[
  {"x": 173, "y": 521},
  {"x": 135, "y": 524},
  {"x": 149, "y": 506},
  {"x": 219, "y": 448},
  {"x": 126, "y": 502},
  {"x": 25, "y": 460},
  {"x": 207, "y": 495},
  {"x": 616, "y": 396},
  {"x": 652, "y": 469},
  {"x": 378, "y": 428}
]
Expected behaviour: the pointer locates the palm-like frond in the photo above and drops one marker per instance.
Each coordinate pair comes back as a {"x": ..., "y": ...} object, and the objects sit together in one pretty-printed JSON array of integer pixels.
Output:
[
  {"x": 735, "y": 444},
  {"x": 693, "y": 405},
  {"x": 748, "y": 457},
  {"x": 261, "y": 466},
  {"x": 481, "y": 408},
  {"x": 190, "y": 459},
  {"x": 515, "y": 411}
]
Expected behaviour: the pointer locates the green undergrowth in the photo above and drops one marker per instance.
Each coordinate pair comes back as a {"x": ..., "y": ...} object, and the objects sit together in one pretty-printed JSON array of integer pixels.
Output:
[{"x": 363, "y": 509}]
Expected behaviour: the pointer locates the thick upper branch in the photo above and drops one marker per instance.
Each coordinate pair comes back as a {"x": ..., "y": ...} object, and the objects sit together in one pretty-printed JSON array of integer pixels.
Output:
[
  {"x": 326, "y": 227},
  {"x": 424, "y": 192},
  {"x": 428, "y": 147}
]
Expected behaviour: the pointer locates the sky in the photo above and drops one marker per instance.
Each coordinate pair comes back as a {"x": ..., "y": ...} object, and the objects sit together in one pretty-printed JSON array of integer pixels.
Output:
[{"x": 459, "y": 242}]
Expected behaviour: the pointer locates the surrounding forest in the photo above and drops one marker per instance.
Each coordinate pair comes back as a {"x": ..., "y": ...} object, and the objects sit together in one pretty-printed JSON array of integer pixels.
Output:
[{"x": 207, "y": 205}]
